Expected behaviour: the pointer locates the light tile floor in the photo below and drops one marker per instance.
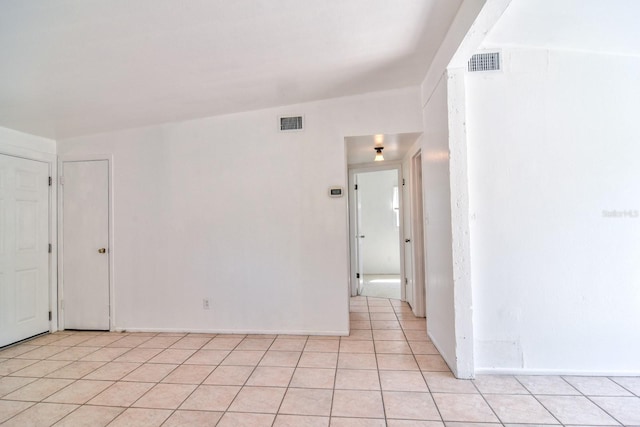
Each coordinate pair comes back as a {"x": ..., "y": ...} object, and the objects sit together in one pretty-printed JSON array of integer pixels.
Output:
[{"x": 385, "y": 373}]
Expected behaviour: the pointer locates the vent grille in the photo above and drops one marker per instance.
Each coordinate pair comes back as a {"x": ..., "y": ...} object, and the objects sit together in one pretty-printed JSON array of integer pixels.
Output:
[
  {"x": 484, "y": 62},
  {"x": 291, "y": 123}
]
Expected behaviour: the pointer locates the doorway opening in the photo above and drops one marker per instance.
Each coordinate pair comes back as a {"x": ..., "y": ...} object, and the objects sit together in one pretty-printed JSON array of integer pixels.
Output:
[{"x": 376, "y": 227}]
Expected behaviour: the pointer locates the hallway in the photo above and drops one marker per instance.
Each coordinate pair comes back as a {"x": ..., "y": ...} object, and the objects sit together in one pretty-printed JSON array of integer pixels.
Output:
[{"x": 385, "y": 373}]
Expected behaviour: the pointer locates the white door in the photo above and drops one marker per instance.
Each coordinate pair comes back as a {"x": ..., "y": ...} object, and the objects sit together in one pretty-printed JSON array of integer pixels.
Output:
[
  {"x": 359, "y": 241},
  {"x": 85, "y": 216},
  {"x": 408, "y": 248},
  {"x": 417, "y": 227},
  {"x": 24, "y": 248}
]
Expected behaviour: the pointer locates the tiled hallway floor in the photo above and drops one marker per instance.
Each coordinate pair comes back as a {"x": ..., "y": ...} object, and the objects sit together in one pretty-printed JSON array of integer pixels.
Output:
[{"x": 386, "y": 373}]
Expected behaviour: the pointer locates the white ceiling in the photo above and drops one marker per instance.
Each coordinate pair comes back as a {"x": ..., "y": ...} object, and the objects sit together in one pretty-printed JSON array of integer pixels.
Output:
[
  {"x": 360, "y": 149},
  {"x": 606, "y": 26},
  {"x": 73, "y": 67}
]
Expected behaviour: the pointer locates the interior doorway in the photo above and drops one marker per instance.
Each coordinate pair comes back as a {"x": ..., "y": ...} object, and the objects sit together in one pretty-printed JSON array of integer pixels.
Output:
[{"x": 376, "y": 228}]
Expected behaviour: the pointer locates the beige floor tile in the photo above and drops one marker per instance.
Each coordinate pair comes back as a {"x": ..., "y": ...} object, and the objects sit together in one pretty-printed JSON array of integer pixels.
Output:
[
  {"x": 630, "y": 383},
  {"x": 193, "y": 418},
  {"x": 48, "y": 339},
  {"x": 313, "y": 378},
  {"x": 519, "y": 409},
  {"x": 418, "y": 335},
  {"x": 10, "y": 408},
  {"x": 360, "y": 324},
  {"x": 357, "y": 361},
  {"x": 172, "y": 355},
  {"x": 464, "y": 407},
  {"x": 281, "y": 358},
  {"x": 397, "y": 362},
  {"x": 191, "y": 343},
  {"x": 423, "y": 347},
  {"x": 160, "y": 342},
  {"x": 75, "y": 370},
  {"x": 139, "y": 355},
  {"x": 499, "y": 384},
  {"x": 138, "y": 417},
  {"x": 43, "y": 352},
  {"x": 356, "y": 347},
  {"x": 90, "y": 416},
  {"x": 189, "y": 374},
  {"x": 300, "y": 401},
  {"x": 150, "y": 372},
  {"x": 414, "y": 325},
  {"x": 388, "y": 335},
  {"x": 597, "y": 386},
  {"x": 165, "y": 396},
  {"x": 74, "y": 353},
  {"x": 358, "y": 335},
  {"x": 403, "y": 381},
  {"x": 547, "y": 384},
  {"x": 211, "y": 398},
  {"x": 431, "y": 363},
  {"x": 121, "y": 394},
  {"x": 130, "y": 341},
  {"x": 393, "y": 347},
  {"x": 385, "y": 324},
  {"x": 357, "y": 422},
  {"x": 100, "y": 340},
  {"x": 417, "y": 423},
  {"x": 445, "y": 382},
  {"x": 318, "y": 360},
  {"x": 359, "y": 316},
  {"x": 233, "y": 419},
  {"x": 270, "y": 376},
  {"x": 105, "y": 354},
  {"x": 292, "y": 337},
  {"x": 357, "y": 403},
  {"x": 112, "y": 371},
  {"x": 17, "y": 350},
  {"x": 624, "y": 409},
  {"x": 357, "y": 379},
  {"x": 73, "y": 340},
  {"x": 229, "y": 375},
  {"x": 38, "y": 390},
  {"x": 325, "y": 346},
  {"x": 380, "y": 309},
  {"x": 79, "y": 392},
  {"x": 383, "y": 316},
  {"x": 576, "y": 410},
  {"x": 222, "y": 343},
  {"x": 258, "y": 399},
  {"x": 243, "y": 358},
  {"x": 410, "y": 405},
  {"x": 288, "y": 344},
  {"x": 40, "y": 368},
  {"x": 254, "y": 344},
  {"x": 10, "y": 384},
  {"x": 40, "y": 414},
  {"x": 300, "y": 421},
  {"x": 207, "y": 357}
]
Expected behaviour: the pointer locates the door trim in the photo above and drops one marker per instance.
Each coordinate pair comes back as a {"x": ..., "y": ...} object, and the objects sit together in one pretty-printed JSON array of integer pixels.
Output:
[
  {"x": 86, "y": 158},
  {"x": 389, "y": 165},
  {"x": 50, "y": 159}
]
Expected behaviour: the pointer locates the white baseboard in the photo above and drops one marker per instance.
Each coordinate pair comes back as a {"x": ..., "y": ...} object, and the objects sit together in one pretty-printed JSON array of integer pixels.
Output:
[
  {"x": 567, "y": 372},
  {"x": 234, "y": 331}
]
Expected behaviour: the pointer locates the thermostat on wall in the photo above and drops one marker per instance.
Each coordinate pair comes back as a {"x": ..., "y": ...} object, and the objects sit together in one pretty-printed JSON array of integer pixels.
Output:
[{"x": 335, "y": 191}]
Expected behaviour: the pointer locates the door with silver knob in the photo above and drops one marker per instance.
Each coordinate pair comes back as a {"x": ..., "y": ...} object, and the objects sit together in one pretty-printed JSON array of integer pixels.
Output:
[{"x": 85, "y": 272}]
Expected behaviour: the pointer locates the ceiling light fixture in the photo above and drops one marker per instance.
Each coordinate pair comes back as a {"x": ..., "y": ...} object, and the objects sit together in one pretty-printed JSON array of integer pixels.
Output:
[{"x": 379, "y": 156}]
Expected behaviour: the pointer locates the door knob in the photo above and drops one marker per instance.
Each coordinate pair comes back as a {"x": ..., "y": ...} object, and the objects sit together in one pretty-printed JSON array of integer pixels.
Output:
[
  {"x": 102, "y": 250},
  {"x": 407, "y": 240},
  {"x": 361, "y": 236}
]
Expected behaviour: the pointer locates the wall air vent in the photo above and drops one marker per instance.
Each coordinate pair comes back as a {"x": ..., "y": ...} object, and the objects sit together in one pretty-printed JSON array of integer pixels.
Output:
[
  {"x": 484, "y": 62},
  {"x": 291, "y": 123}
]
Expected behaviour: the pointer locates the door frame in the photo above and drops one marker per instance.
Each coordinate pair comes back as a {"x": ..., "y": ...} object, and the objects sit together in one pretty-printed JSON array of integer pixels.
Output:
[
  {"x": 51, "y": 160},
  {"x": 351, "y": 197},
  {"x": 417, "y": 235},
  {"x": 110, "y": 212}
]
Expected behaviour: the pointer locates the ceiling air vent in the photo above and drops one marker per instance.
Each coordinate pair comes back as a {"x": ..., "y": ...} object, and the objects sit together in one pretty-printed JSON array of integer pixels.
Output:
[
  {"x": 484, "y": 62},
  {"x": 291, "y": 123}
]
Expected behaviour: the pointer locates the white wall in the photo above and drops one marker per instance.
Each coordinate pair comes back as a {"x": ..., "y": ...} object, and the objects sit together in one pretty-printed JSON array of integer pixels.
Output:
[
  {"x": 380, "y": 248},
  {"x": 553, "y": 147},
  {"x": 229, "y": 208}
]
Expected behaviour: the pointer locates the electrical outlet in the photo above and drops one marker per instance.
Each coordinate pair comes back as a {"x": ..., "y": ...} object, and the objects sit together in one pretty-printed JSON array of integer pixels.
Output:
[{"x": 205, "y": 303}]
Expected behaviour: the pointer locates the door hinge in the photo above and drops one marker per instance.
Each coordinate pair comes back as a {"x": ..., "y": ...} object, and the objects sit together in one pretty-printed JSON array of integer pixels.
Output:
[
  {"x": 403, "y": 182},
  {"x": 50, "y": 247},
  {"x": 357, "y": 275},
  {"x": 356, "y": 186},
  {"x": 50, "y": 181},
  {"x": 406, "y": 281},
  {"x": 50, "y": 317}
]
